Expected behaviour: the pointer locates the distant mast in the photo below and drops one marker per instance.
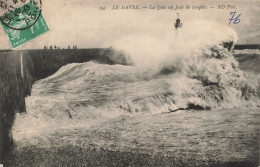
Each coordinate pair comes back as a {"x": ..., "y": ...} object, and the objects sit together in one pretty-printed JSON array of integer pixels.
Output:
[{"x": 178, "y": 23}]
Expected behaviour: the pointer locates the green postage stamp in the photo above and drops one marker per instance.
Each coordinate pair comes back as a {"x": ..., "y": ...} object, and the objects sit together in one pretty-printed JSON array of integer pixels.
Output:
[{"x": 24, "y": 23}]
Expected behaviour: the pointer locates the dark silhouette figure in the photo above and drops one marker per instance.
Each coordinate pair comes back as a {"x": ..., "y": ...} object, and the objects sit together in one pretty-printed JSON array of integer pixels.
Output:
[{"x": 178, "y": 21}]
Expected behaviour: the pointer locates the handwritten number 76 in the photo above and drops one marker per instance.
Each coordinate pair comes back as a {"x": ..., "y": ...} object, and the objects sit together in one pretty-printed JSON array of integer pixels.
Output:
[{"x": 236, "y": 20}]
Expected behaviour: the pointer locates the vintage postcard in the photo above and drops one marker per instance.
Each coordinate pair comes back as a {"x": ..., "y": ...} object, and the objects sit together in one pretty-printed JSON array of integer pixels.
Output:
[{"x": 129, "y": 83}]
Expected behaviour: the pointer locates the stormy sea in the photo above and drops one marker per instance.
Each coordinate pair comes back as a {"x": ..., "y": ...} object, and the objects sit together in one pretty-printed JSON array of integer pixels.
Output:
[{"x": 184, "y": 99}]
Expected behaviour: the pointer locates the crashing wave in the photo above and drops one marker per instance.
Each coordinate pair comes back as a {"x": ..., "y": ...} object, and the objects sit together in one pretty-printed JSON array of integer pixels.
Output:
[
  {"x": 192, "y": 69},
  {"x": 200, "y": 62},
  {"x": 189, "y": 70}
]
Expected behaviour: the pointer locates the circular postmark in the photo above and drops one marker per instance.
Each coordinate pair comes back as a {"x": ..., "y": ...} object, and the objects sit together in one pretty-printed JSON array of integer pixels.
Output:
[{"x": 23, "y": 17}]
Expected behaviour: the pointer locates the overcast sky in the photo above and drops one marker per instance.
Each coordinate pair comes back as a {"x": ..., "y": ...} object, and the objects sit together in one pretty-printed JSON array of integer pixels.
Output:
[{"x": 82, "y": 23}]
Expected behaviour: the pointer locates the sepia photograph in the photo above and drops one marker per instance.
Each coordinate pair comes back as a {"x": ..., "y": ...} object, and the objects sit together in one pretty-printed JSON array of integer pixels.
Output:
[{"x": 128, "y": 83}]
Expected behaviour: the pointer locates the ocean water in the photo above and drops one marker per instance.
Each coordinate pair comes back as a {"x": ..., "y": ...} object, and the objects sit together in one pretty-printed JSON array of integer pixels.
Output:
[
  {"x": 218, "y": 137},
  {"x": 188, "y": 102}
]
